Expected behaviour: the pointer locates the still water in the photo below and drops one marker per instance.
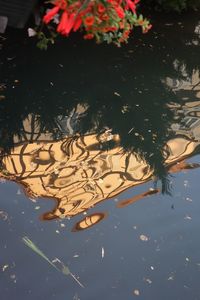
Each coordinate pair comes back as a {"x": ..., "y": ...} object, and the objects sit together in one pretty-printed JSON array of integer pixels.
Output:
[{"x": 99, "y": 179}]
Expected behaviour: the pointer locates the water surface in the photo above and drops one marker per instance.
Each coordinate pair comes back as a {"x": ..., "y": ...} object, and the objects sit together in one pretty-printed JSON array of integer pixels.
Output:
[{"x": 100, "y": 166}]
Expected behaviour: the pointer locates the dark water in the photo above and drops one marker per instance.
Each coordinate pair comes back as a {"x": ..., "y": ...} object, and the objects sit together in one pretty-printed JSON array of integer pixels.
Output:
[{"x": 84, "y": 123}]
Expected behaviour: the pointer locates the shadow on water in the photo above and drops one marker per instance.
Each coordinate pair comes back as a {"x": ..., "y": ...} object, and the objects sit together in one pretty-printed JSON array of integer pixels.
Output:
[{"x": 80, "y": 108}]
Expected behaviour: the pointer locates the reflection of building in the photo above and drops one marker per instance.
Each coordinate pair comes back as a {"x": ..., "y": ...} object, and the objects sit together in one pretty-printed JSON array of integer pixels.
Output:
[
  {"x": 79, "y": 173},
  {"x": 187, "y": 89},
  {"x": 75, "y": 171},
  {"x": 185, "y": 86},
  {"x": 33, "y": 128},
  {"x": 190, "y": 123}
]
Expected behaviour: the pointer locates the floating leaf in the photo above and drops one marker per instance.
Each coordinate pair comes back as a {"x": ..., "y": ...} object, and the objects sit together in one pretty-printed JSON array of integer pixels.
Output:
[
  {"x": 31, "y": 245},
  {"x": 56, "y": 263}
]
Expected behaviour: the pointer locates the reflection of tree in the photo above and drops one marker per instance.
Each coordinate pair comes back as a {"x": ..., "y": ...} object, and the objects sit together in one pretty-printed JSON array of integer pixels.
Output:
[
  {"x": 79, "y": 171},
  {"x": 120, "y": 88}
]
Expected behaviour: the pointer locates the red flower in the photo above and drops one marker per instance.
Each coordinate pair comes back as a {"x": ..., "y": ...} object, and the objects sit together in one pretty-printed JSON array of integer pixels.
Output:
[
  {"x": 101, "y": 8},
  {"x": 89, "y": 21},
  {"x": 120, "y": 12},
  {"x": 63, "y": 23},
  {"x": 51, "y": 13},
  {"x": 77, "y": 24},
  {"x": 70, "y": 24},
  {"x": 88, "y": 36},
  {"x": 66, "y": 23},
  {"x": 132, "y": 5}
]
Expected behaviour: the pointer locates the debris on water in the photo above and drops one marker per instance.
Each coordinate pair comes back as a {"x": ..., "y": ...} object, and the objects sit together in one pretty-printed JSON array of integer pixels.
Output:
[
  {"x": 157, "y": 248},
  {"x": 117, "y": 94},
  {"x": 171, "y": 277},
  {"x": 187, "y": 217},
  {"x": 76, "y": 297},
  {"x": 32, "y": 199},
  {"x": 57, "y": 231},
  {"x": 136, "y": 292},
  {"x": 10, "y": 58},
  {"x": 3, "y": 215},
  {"x": 186, "y": 183},
  {"x": 152, "y": 268},
  {"x": 102, "y": 252},
  {"x": 62, "y": 216},
  {"x": 125, "y": 108},
  {"x": 18, "y": 192},
  {"x": 56, "y": 171},
  {"x": 187, "y": 259},
  {"x": 13, "y": 277},
  {"x": 188, "y": 199},
  {"x": 62, "y": 225},
  {"x": 5, "y": 267},
  {"x": 185, "y": 286},
  {"x": 76, "y": 255},
  {"x": 37, "y": 207},
  {"x": 144, "y": 238},
  {"x": 149, "y": 281},
  {"x": 100, "y": 180},
  {"x": 131, "y": 130}
]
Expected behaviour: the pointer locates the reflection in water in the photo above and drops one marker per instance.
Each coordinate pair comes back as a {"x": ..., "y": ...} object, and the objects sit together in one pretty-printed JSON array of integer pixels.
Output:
[
  {"x": 75, "y": 171},
  {"x": 81, "y": 171},
  {"x": 126, "y": 202},
  {"x": 67, "y": 153},
  {"x": 89, "y": 221}
]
